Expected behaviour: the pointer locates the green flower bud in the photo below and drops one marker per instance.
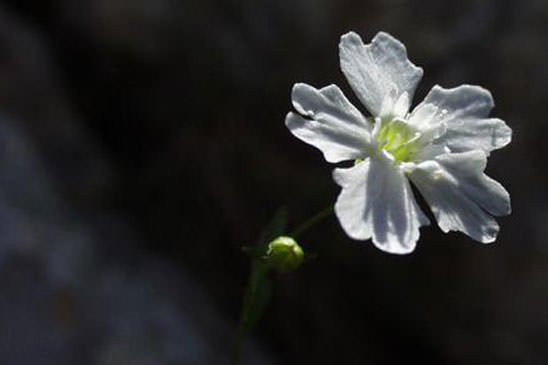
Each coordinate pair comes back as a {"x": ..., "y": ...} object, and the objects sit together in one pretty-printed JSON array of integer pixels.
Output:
[{"x": 284, "y": 254}]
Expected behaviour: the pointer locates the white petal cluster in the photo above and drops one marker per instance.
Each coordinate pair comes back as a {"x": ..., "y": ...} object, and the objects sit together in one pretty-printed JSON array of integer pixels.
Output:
[{"x": 441, "y": 146}]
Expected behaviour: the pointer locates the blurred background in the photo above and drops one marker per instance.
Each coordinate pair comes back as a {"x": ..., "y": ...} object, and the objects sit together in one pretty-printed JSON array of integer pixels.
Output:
[{"x": 142, "y": 144}]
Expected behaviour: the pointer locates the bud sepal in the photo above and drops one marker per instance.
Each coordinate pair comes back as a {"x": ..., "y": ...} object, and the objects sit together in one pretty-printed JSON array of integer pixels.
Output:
[{"x": 284, "y": 254}]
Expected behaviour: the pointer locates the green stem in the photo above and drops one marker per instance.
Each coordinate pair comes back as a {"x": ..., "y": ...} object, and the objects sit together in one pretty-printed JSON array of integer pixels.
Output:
[
  {"x": 237, "y": 346},
  {"x": 255, "y": 299},
  {"x": 312, "y": 221},
  {"x": 257, "y": 292}
]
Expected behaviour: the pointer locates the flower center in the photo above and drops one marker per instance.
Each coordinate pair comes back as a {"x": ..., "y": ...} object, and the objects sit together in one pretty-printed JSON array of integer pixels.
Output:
[{"x": 397, "y": 137}]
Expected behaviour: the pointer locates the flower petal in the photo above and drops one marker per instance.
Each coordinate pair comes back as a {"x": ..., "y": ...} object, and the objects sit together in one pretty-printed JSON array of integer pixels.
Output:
[
  {"x": 467, "y": 169},
  {"x": 376, "y": 202},
  {"x": 450, "y": 202},
  {"x": 463, "y": 110},
  {"x": 380, "y": 73},
  {"x": 430, "y": 152},
  {"x": 474, "y": 134},
  {"x": 336, "y": 127}
]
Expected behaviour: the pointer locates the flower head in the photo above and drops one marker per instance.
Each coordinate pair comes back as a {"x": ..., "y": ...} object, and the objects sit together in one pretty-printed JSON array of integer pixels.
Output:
[
  {"x": 441, "y": 146},
  {"x": 284, "y": 254}
]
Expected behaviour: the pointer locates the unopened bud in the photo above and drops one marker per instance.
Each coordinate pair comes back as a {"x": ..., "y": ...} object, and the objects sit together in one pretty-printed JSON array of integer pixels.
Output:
[{"x": 284, "y": 254}]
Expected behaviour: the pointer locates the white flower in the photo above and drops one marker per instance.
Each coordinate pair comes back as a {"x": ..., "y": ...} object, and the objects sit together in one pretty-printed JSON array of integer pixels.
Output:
[{"x": 441, "y": 146}]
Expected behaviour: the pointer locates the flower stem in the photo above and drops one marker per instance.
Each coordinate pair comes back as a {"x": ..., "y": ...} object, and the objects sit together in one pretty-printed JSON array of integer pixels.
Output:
[
  {"x": 256, "y": 297},
  {"x": 312, "y": 221},
  {"x": 257, "y": 293}
]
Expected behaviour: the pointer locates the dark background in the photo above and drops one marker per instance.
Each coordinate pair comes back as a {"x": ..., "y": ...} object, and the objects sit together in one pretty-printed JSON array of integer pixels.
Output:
[{"x": 142, "y": 143}]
